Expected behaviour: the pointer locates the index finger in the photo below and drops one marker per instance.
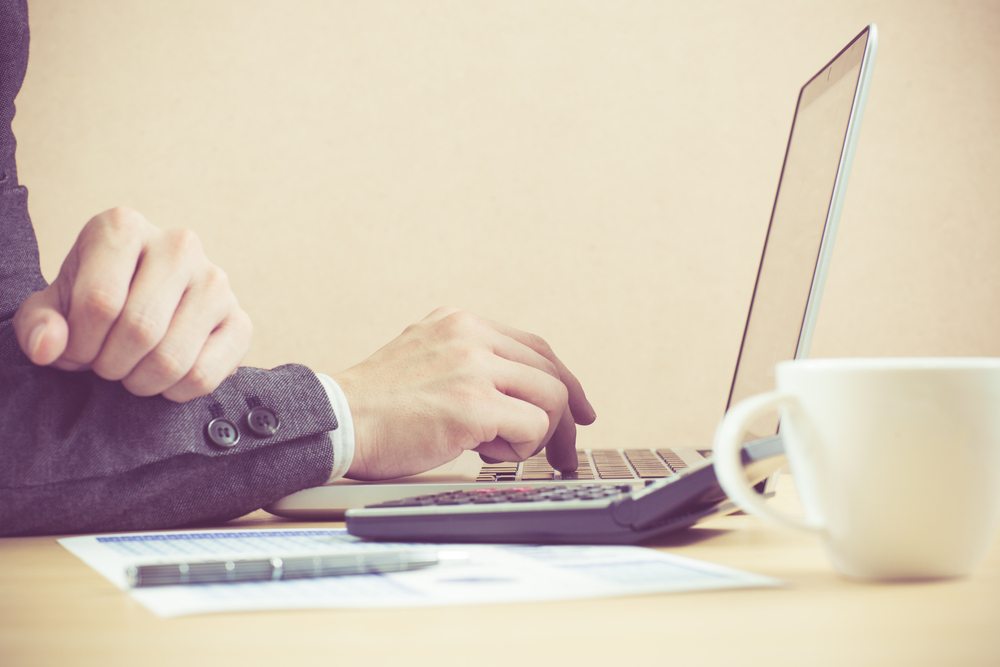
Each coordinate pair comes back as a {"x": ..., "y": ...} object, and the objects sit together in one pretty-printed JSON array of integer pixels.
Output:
[
  {"x": 561, "y": 448},
  {"x": 560, "y": 451},
  {"x": 106, "y": 257},
  {"x": 583, "y": 411}
]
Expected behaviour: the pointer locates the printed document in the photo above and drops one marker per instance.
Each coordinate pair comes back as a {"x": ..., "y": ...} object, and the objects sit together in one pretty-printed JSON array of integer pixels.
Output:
[{"x": 467, "y": 574}]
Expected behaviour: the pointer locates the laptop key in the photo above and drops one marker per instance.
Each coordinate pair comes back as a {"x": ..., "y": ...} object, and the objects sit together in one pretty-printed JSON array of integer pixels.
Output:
[{"x": 647, "y": 464}]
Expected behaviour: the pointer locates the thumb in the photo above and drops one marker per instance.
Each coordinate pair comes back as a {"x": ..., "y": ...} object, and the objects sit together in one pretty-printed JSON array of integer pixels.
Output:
[{"x": 41, "y": 329}]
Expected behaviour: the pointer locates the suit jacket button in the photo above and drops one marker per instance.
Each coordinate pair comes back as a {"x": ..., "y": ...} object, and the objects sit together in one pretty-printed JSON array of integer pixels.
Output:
[
  {"x": 263, "y": 422},
  {"x": 222, "y": 433}
]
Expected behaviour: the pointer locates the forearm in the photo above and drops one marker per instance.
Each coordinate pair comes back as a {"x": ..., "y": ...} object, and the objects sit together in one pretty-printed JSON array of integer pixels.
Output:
[
  {"x": 75, "y": 443},
  {"x": 176, "y": 491}
]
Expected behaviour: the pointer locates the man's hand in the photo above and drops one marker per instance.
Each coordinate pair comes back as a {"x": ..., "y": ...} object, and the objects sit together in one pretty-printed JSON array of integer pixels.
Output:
[
  {"x": 454, "y": 382},
  {"x": 137, "y": 304}
]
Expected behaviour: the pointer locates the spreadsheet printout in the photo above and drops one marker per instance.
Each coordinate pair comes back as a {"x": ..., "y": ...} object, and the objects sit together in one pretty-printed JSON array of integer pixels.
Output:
[{"x": 468, "y": 573}]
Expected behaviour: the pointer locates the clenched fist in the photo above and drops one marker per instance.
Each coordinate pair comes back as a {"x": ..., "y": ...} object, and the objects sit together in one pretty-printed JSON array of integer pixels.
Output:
[{"x": 137, "y": 304}]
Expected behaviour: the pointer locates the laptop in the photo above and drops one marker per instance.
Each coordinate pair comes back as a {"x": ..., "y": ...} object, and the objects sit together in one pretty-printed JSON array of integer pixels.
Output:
[{"x": 779, "y": 324}]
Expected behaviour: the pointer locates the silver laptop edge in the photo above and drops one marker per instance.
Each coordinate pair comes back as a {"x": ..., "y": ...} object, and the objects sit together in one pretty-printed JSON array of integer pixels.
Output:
[{"x": 839, "y": 185}]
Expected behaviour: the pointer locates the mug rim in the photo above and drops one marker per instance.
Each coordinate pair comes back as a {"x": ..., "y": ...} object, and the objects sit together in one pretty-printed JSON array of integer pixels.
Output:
[{"x": 893, "y": 363}]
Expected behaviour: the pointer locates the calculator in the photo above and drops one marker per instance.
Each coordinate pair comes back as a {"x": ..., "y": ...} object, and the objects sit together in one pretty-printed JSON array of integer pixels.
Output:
[{"x": 563, "y": 513}]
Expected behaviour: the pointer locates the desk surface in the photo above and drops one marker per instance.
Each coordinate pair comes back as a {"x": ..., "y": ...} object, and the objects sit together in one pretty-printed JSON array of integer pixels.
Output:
[{"x": 56, "y": 610}]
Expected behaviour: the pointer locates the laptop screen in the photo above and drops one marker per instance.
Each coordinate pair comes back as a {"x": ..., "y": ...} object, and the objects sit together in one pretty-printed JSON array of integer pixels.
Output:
[{"x": 787, "y": 289}]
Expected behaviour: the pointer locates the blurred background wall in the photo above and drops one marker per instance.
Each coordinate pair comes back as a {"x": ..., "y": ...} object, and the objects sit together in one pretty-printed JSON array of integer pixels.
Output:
[{"x": 600, "y": 173}]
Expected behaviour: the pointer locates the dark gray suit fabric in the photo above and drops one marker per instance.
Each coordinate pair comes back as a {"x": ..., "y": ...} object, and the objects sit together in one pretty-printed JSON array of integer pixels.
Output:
[{"x": 80, "y": 454}]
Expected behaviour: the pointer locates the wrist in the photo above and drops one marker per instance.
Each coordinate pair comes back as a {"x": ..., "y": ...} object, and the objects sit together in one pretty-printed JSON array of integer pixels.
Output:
[
  {"x": 362, "y": 464},
  {"x": 342, "y": 437}
]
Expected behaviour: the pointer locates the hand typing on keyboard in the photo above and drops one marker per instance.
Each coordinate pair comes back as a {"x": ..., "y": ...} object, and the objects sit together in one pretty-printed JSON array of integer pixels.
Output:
[{"x": 454, "y": 382}]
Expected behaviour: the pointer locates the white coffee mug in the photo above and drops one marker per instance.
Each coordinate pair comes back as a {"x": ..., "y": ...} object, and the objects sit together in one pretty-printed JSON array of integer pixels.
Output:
[{"x": 896, "y": 461}]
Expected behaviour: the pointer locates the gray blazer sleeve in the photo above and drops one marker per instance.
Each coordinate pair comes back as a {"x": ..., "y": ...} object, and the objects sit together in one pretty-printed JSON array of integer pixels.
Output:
[{"x": 78, "y": 453}]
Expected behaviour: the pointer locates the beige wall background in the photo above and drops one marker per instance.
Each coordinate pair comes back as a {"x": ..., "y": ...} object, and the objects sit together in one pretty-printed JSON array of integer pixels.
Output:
[{"x": 600, "y": 173}]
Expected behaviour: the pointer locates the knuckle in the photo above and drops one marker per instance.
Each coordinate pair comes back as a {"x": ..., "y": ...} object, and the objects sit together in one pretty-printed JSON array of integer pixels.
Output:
[
  {"x": 217, "y": 279},
  {"x": 441, "y": 311},
  {"x": 104, "y": 369},
  {"x": 559, "y": 395},
  {"x": 119, "y": 226},
  {"x": 537, "y": 430},
  {"x": 460, "y": 324},
  {"x": 481, "y": 386},
  {"x": 242, "y": 321},
  {"x": 134, "y": 386},
  {"x": 240, "y": 336},
  {"x": 469, "y": 356},
  {"x": 100, "y": 304},
  {"x": 167, "y": 365},
  {"x": 541, "y": 429},
  {"x": 118, "y": 220},
  {"x": 124, "y": 213},
  {"x": 540, "y": 345},
  {"x": 519, "y": 454},
  {"x": 141, "y": 328},
  {"x": 182, "y": 242},
  {"x": 199, "y": 381}
]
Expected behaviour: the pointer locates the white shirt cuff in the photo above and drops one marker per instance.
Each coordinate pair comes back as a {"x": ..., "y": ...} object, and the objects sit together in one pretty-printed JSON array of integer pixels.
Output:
[{"x": 341, "y": 438}]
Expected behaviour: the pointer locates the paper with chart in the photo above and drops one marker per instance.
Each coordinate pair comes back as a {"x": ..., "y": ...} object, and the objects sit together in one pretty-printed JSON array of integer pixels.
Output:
[{"x": 468, "y": 574}]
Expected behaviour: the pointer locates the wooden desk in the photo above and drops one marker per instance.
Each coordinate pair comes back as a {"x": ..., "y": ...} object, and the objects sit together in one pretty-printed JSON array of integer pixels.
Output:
[{"x": 54, "y": 610}]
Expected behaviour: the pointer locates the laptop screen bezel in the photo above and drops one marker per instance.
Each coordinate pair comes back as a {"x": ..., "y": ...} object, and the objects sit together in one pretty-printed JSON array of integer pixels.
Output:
[{"x": 834, "y": 208}]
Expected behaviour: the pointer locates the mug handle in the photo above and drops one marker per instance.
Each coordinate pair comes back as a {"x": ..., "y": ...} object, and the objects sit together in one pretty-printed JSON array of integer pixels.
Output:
[{"x": 729, "y": 468}]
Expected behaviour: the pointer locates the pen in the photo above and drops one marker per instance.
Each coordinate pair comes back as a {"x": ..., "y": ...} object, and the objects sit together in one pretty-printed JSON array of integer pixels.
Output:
[{"x": 277, "y": 568}]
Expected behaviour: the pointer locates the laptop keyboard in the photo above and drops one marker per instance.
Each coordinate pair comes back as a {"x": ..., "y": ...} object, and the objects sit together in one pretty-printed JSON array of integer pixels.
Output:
[{"x": 594, "y": 464}]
